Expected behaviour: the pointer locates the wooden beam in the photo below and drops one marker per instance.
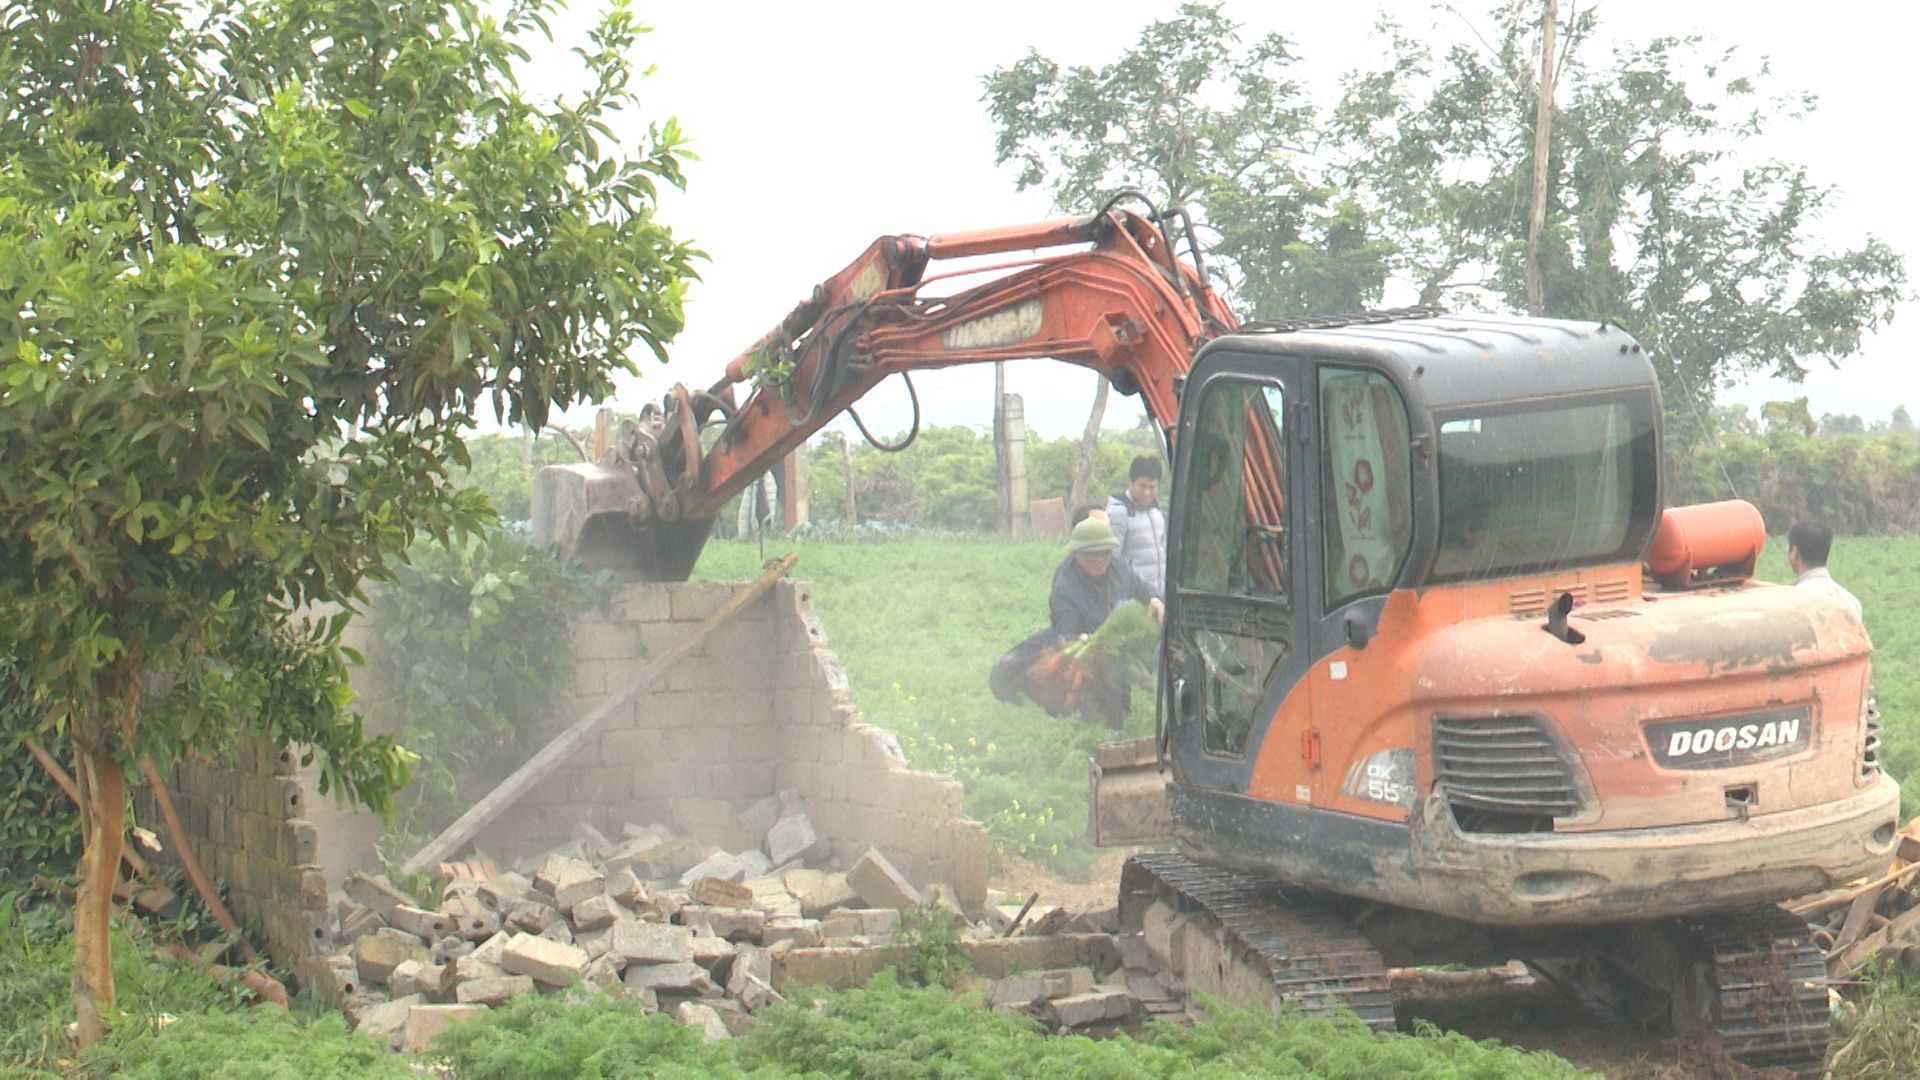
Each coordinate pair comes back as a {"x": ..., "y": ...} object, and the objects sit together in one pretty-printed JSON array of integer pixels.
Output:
[{"x": 563, "y": 746}]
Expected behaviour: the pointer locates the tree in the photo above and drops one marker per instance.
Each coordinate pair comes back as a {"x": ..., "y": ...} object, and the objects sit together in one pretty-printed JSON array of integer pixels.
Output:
[
  {"x": 1901, "y": 423},
  {"x": 1656, "y": 215},
  {"x": 260, "y": 260},
  {"x": 1196, "y": 120}
]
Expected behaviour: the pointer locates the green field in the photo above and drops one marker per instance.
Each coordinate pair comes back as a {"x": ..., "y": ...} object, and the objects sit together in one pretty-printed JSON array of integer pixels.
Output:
[{"x": 918, "y": 623}]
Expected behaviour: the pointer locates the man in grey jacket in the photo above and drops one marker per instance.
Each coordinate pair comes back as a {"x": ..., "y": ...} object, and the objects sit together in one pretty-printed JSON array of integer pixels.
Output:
[{"x": 1142, "y": 528}]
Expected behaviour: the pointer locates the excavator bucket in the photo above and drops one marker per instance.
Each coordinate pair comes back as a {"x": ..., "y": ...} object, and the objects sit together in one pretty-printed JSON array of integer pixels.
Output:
[
  {"x": 1128, "y": 795},
  {"x": 595, "y": 515}
]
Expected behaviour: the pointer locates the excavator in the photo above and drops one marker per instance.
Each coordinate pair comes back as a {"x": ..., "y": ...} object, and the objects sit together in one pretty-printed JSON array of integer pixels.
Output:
[{"x": 1444, "y": 680}]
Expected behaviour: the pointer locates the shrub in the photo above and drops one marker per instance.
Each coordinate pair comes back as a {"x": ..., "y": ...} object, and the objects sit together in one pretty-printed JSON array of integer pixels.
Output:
[
  {"x": 472, "y": 642},
  {"x": 39, "y": 826}
]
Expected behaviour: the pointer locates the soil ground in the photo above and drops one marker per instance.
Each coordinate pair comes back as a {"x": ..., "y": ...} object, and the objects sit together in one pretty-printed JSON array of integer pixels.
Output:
[{"x": 1532, "y": 1017}]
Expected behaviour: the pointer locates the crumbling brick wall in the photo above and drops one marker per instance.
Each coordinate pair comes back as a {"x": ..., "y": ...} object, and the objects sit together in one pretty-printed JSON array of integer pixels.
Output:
[
  {"x": 761, "y": 709},
  {"x": 247, "y": 821}
]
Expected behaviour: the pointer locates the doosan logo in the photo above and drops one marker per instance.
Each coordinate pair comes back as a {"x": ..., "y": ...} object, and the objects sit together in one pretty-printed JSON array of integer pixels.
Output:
[
  {"x": 1744, "y": 737},
  {"x": 1733, "y": 740}
]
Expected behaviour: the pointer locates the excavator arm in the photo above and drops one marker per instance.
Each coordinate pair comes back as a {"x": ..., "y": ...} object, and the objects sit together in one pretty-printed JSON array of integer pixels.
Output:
[{"x": 1104, "y": 291}]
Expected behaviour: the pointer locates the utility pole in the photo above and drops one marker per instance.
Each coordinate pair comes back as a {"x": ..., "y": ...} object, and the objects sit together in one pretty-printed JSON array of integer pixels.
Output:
[
  {"x": 1002, "y": 471},
  {"x": 1542, "y": 148},
  {"x": 849, "y": 515}
]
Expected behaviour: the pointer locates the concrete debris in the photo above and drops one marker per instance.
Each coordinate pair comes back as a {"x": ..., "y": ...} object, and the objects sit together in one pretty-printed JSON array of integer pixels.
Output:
[
  {"x": 820, "y": 892},
  {"x": 710, "y": 935},
  {"x": 791, "y": 838},
  {"x": 378, "y": 953},
  {"x": 426, "y": 1023},
  {"x": 494, "y": 991},
  {"x": 597, "y": 911},
  {"x": 638, "y": 942},
  {"x": 702, "y": 1018},
  {"x": 383, "y": 1020},
  {"x": 719, "y": 892},
  {"x": 671, "y": 978},
  {"x": 414, "y": 977},
  {"x": 880, "y": 885},
  {"x": 1100, "y": 1006},
  {"x": 723, "y": 865},
  {"x": 550, "y": 962},
  {"x": 569, "y": 881}
]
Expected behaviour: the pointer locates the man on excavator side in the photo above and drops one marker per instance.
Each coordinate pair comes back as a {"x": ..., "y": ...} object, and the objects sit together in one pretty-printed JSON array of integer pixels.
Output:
[
  {"x": 1808, "y": 543},
  {"x": 1088, "y": 587}
]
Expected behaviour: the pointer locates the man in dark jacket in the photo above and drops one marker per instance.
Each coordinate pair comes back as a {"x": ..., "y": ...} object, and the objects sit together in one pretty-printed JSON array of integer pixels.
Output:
[{"x": 1088, "y": 585}]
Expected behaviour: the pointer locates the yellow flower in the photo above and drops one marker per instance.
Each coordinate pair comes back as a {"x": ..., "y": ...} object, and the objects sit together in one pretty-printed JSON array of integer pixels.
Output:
[{"x": 991, "y": 748}]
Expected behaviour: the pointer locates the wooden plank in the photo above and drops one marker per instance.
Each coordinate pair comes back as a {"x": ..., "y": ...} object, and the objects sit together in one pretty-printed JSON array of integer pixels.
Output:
[
  {"x": 1899, "y": 932},
  {"x": 1857, "y": 916},
  {"x": 563, "y": 745}
]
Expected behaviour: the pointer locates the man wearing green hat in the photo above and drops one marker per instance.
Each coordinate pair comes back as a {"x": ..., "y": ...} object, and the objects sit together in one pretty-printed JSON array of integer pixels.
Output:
[{"x": 1087, "y": 587}]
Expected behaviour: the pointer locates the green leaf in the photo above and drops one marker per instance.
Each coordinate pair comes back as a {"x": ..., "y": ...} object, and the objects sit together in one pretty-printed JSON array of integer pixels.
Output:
[
  {"x": 358, "y": 108},
  {"x": 253, "y": 431}
]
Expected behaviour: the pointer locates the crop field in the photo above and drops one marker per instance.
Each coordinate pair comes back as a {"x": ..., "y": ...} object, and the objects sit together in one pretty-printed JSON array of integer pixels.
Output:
[{"x": 918, "y": 622}]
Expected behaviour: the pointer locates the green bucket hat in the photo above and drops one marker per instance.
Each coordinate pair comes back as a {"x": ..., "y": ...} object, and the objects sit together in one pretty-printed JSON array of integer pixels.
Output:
[{"x": 1092, "y": 535}]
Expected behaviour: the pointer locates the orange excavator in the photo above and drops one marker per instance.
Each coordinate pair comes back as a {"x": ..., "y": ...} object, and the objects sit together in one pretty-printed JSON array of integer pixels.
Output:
[{"x": 1444, "y": 680}]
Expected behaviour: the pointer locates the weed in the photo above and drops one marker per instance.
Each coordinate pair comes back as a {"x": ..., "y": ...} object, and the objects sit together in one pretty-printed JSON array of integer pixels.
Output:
[
  {"x": 934, "y": 956},
  {"x": 1877, "y": 1037}
]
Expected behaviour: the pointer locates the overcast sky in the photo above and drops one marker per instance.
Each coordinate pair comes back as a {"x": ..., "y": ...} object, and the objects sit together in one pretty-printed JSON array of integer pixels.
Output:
[{"x": 822, "y": 126}]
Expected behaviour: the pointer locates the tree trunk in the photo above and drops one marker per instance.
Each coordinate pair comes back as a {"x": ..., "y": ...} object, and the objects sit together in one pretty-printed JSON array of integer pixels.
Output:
[
  {"x": 103, "y": 824},
  {"x": 846, "y": 466},
  {"x": 1542, "y": 150},
  {"x": 1089, "y": 445}
]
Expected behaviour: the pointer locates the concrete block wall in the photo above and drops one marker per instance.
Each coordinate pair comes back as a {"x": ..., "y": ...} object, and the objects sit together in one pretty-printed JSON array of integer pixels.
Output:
[
  {"x": 761, "y": 709},
  {"x": 858, "y": 788},
  {"x": 247, "y": 821}
]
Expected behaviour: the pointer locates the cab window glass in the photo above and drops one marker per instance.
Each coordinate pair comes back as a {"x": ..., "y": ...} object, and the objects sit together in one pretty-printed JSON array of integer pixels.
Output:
[
  {"x": 1367, "y": 482},
  {"x": 1235, "y": 505}
]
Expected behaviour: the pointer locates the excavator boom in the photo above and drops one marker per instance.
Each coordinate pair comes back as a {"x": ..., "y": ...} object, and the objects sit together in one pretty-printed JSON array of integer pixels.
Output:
[{"x": 1105, "y": 291}]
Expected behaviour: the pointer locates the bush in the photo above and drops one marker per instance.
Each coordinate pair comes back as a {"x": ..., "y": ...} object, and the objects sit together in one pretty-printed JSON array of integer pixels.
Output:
[
  {"x": 472, "y": 643},
  {"x": 39, "y": 825},
  {"x": 36, "y": 964},
  {"x": 602, "y": 1036},
  {"x": 260, "y": 1044}
]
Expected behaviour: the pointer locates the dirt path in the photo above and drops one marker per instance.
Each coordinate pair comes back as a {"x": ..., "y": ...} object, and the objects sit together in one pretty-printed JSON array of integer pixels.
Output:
[{"x": 1533, "y": 1018}]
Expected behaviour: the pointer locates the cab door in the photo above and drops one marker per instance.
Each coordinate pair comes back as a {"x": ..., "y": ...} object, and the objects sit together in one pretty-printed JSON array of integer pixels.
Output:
[{"x": 1236, "y": 627}]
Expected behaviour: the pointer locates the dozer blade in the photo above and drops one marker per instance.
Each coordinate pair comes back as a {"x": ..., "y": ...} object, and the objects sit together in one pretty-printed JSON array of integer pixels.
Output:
[{"x": 1127, "y": 796}]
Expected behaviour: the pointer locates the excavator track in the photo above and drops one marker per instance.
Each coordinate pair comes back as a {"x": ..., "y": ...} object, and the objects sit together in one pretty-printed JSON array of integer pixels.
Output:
[
  {"x": 1244, "y": 936},
  {"x": 1773, "y": 1009}
]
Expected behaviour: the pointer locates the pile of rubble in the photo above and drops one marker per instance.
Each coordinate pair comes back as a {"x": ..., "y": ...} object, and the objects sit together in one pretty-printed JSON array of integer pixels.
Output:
[
  {"x": 1870, "y": 922},
  {"x": 706, "y": 935}
]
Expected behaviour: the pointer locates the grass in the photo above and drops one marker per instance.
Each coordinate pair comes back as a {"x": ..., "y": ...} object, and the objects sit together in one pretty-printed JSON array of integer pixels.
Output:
[{"x": 918, "y": 623}]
